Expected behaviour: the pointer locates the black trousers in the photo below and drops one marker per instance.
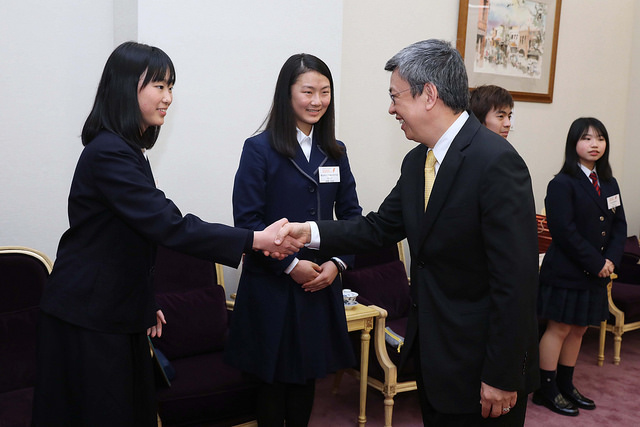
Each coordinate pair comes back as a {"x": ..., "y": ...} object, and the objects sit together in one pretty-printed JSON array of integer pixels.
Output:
[{"x": 432, "y": 418}]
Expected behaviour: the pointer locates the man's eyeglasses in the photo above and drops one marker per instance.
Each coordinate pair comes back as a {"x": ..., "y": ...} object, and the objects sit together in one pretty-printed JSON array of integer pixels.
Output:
[{"x": 394, "y": 95}]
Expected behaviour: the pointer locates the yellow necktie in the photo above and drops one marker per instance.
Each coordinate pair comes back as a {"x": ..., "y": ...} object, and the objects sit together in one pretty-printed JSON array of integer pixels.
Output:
[{"x": 429, "y": 176}]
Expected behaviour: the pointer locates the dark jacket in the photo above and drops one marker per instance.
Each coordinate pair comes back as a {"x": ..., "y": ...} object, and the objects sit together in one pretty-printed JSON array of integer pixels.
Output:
[
  {"x": 584, "y": 232},
  {"x": 279, "y": 331},
  {"x": 101, "y": 279},
  {"x": 474, "y": 266}
]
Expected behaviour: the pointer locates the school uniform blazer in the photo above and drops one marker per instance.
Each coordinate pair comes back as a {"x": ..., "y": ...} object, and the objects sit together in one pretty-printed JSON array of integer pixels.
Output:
[
  {"x": 270, "y": 185},
  {"x": 101, "y": 279},
  {"x": 584, "y": 232},
  {"x": 474, "y": 265}
]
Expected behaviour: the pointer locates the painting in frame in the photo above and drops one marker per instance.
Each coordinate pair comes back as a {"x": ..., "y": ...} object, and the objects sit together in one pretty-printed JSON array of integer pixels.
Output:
[{"x": 512, "y": 44}]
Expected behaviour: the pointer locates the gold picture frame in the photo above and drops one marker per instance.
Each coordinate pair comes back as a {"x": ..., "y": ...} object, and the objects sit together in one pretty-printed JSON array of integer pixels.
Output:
[{"x": 512, "y": 44}]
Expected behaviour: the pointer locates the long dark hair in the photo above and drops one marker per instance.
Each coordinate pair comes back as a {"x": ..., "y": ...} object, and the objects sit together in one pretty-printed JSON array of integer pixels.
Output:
[
  {"x": 578, "y": 128},
  {"x": 116, "y": 105},
  {"x": 282, "y": 119}
]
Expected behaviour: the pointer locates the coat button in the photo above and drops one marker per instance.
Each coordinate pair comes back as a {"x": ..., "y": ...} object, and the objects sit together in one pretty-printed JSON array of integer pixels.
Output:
[
  {"x": 312, "y": 211},
  {"x": 312, "y": 189},
  {"x": 601, "y": 218},
  {"x": 604, "y": 233}
]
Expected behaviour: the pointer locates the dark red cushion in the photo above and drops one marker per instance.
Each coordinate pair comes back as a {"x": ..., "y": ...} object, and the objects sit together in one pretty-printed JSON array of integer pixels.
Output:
[
  {"x": 15, "y": 407},
  {"x": 196, "y": 321},
  {"x": 23, "y": 272},
  {"x": 207, "y": 389},
  {"x": 632, "y": 247},
  {"x": 175, "y": 271},
  {"x": 385, "y": 285},
  {"x": 18, "y": 349},
  {"x": 627, "y": 298},
  {"x": 629, "y": 273}
]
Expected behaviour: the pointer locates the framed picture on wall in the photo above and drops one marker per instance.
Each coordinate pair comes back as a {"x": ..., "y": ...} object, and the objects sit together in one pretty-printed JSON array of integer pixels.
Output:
[{"x": 512, "y": 44}]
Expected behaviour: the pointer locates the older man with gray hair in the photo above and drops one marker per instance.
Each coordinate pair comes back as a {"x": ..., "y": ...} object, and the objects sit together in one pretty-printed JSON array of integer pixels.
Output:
[{"x": 464, "y": 202}]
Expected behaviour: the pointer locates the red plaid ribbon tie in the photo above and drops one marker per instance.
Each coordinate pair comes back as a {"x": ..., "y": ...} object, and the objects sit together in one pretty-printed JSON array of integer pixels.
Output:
[{"x": 594, "y": 181}]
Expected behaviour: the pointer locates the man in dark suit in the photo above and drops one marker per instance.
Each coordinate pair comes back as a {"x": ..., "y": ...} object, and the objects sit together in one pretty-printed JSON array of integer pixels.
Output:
[{"x": 474, "y": 255}]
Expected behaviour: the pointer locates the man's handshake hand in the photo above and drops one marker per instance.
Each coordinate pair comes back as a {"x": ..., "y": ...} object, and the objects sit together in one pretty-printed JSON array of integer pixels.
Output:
[
  {"x": 287, "y": 241},
  {"x": 298, "y": 231}
]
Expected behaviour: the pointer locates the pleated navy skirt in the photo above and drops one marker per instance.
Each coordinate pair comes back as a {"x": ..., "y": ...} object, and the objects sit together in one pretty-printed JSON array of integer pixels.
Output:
[
  {"x": 88, "y": 378},
  {"x": 573, "y": 306}
]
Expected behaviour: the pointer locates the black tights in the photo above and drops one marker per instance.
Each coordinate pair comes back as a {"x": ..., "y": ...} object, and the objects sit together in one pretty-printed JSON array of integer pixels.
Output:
[{"x": 280, "y": 402}]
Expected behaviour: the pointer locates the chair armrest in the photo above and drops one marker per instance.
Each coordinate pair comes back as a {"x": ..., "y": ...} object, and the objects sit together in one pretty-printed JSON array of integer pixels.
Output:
[
  {"x": 389, "y": 368},
  {"x": 231, "y": 303},
  {"x": 613, "y": 309}
]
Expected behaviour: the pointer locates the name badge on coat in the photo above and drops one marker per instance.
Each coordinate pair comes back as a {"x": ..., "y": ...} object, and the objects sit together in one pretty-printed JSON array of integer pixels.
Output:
[
  {"x": 613, "y": 202},
  {"x": 328, "y": 174}
]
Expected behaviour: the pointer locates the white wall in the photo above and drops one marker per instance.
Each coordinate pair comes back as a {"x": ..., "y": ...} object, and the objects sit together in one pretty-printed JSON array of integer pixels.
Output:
[
  {"x": 51, "y": 57},
  {"x": 593, "y": 77},
  {"x": 374, "y": 31},
  {"x": 227, "y": 56},
  {"x": 630, "y": 177}
]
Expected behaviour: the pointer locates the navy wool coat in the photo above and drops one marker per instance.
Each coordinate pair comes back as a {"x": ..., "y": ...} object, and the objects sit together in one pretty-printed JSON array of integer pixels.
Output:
[
  {"x": 584, "y": 232},
  {"x": 102, "y": 277},
  {"x": 279, "y": 332}
]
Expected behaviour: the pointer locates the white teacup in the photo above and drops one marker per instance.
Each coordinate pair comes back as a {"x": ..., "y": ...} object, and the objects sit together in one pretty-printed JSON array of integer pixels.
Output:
[{"x": 349, "y": 297}]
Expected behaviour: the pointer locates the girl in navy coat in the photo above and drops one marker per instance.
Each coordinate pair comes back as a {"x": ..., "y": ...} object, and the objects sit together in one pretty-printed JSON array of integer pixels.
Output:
[
  {"x": 588, "y": 230},
  {"x": 93, "y": 363},
  {"x": 289, "y": 325}
]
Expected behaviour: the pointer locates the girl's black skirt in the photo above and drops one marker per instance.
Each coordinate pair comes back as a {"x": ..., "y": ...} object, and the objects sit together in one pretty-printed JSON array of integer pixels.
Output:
[{"x": 90, "y": 378}]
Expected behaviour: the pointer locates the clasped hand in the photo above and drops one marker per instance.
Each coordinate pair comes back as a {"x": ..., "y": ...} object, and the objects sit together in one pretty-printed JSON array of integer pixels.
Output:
[
  {"x": 275, "y": 243},
  {"x": 607, "y": 269},
  {"x": 314, "y": 277}
]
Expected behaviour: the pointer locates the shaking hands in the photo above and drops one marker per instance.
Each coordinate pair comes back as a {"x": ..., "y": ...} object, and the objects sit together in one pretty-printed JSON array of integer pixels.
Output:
[{"x": 282, "y": 238}]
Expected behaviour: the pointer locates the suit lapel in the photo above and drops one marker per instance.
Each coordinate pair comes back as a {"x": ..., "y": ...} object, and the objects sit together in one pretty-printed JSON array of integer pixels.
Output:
[
  {"x": 417, "y": 185},
  {"x": 309, "y": 169},
  {"x": 147, "y": 167},
  {"x": 587, "y": 186},
  {"x": 446, "y": 176}
]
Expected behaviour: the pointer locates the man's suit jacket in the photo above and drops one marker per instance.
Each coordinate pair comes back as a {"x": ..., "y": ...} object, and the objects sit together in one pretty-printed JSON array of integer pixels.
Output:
[
  {"x": 102, "y": 275},
  {"x": 584, "y": 231},
  {"x": 474, "y": 266}
]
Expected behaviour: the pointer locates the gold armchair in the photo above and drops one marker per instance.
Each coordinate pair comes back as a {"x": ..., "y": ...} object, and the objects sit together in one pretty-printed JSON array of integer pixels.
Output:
[
  {"x": 626, "y": 318},
  {"x": 23, "y": 275}
]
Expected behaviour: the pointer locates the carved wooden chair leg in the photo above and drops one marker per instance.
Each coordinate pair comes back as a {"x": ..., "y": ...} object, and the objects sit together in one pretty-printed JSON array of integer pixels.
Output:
[
  {"x": 388, "y": 410},
  {"x": 617, "y": 344},
  {"x": 603, "y": 333}
]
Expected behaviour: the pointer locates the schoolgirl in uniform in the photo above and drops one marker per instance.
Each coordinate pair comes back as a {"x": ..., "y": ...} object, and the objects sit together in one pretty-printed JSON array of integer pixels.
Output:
[
  {"x": 289, "y": 325},
  {"x": 588, "y": 229},
  {"x": 93, "y": 362}
]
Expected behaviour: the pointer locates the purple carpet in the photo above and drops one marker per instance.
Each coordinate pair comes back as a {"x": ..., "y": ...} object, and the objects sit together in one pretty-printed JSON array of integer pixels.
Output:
[{"x": 615, "y": 389}]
